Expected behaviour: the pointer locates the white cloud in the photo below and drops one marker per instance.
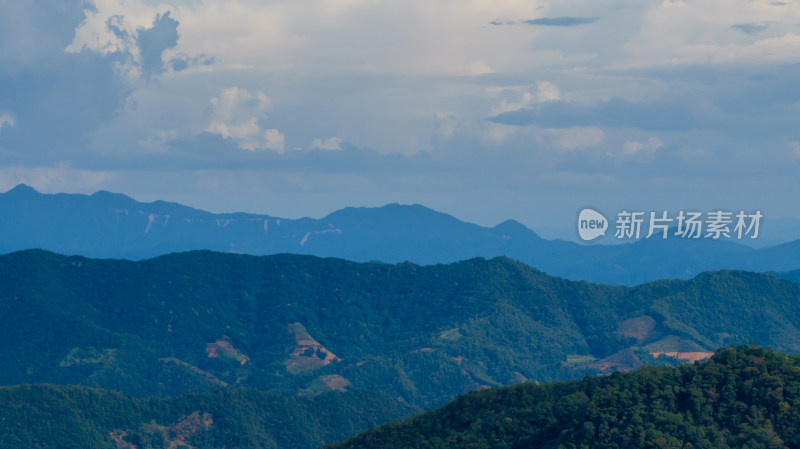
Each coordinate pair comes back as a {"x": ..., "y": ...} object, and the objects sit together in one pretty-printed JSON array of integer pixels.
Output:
[
  {"x": 331, "y": 143},
  {"x": 575, "y": 138},
  {"x": 274, "y": 140},
  {"x": 678, "y": 32},
  {"x": 630, "y": 148},
  {"x": 448, "y": 37},
  {"x": 545, "y": 91},
  {"x": 496, "y": 134},
  {"x": 237, "y": 114},
  {"x": 6, "y": 119},
  {"x": 158, "y": 141},
  {"x": 445, "y": 126}
]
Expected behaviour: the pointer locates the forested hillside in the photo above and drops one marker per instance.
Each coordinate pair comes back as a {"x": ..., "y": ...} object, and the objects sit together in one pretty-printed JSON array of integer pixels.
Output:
[
  {"x": 742, "y": 398},
  {"x": 302, "y": 325},
  {"x": 60, "y": 417}
]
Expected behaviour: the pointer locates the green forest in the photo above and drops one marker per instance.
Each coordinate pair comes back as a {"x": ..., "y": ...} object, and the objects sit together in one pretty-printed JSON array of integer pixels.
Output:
[
  {"x": 61, "y": 417},
  {"x": 197, "y": 321},
  {"x": 745, "y": 397},
  {"x": 287, "y": 333}
]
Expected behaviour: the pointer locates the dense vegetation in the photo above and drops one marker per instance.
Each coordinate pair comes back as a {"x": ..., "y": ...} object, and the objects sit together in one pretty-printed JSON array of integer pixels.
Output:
[
  {"x": 303, "y": 325},
  {"x": 742, "y": 398},
  {"x": 50, "y": 417},
  {"x": 790, "y": 275}
]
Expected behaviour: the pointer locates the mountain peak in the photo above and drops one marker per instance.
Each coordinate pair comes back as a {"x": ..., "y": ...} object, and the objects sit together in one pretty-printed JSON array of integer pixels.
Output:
[
  {"x": 513, "y": 227},
  {"x": 398, "y": 213},
  {"x": 22, "y": 189}
]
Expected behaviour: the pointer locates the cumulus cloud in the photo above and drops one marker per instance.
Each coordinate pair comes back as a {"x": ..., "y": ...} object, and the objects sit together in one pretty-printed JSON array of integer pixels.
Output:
[
  {"x": 544, "y": 92},
  {"x": 238, "y": 114},
  {"x": 331, "y": 143},
  {"x": 57, "y": 99},
  {"x": 153, "y": 41},
  {"x": 274, "y": 140},
  {"x": 151, "y": 46}
]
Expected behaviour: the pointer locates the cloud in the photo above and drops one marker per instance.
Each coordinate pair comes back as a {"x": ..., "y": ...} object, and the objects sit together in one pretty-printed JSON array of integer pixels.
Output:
[
  {"x": 152, "y": 43},
  {"x": 615, "y": 112},
  {"x": 562, "y": 21},
  {"x": 544, "y": 91},
  {"x": 680, "y": 33},
  {"x": 631, "y": 148},
  {"x": 750, "y": 28},
  {"x": 31, "y": 31},
  {"x": 57, "y": 99},
  {"x": 274, "y": 140},
  {"x": 182, "y": 61},
  {"x": 501, "y": 22},
  {"x": 331, "y": 143},
  {"x": 237, "y": 114},
  {"x": 6, "y": 119},
  {"x": 577, "y": 138},
  {"x": 151, "y": 46}
]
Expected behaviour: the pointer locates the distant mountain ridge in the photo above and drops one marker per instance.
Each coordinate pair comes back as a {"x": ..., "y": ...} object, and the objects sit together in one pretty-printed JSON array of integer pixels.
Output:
[{"x": 111, "y": 225}]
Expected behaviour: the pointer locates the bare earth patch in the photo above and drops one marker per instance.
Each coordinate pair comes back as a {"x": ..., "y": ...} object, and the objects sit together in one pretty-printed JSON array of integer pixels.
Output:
[
  {"x": 689, "y": 356},
  {"x": 225, "y": 350},
  {"x": 640, "y": 328},
  {"x": 195, "y": 370},
  {"x": 117, "y": 435},
  {"x": 336, "y": 382},
  {"x": 624, "y": 360},
  {"x": 309, "y": 354}
]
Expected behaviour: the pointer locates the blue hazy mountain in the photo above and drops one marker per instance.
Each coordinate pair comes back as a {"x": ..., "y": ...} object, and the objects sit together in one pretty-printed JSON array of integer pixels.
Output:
[{"x": 110, "y": 225}]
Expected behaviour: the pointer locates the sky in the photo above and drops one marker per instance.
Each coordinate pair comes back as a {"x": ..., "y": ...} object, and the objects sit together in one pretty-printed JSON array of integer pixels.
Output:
[{"x": 487, "y": 110}]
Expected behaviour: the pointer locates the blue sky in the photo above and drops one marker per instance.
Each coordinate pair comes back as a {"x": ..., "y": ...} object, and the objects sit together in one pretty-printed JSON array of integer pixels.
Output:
[{"x": 483, "y": 109}]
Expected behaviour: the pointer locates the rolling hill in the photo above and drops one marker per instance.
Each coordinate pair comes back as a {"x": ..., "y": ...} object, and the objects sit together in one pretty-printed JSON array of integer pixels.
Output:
[
  {"x": 302, "y": 325},
  {"x": 741, "y": 398},
  {"x": 51, "y": 417}
]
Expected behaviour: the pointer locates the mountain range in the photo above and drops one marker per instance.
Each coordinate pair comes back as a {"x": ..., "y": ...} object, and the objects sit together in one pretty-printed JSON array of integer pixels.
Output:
[
  {"x": 304, "y": 325},
  {"x": 109, "y": 225},
  {"x": 388, "y": 339}
]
